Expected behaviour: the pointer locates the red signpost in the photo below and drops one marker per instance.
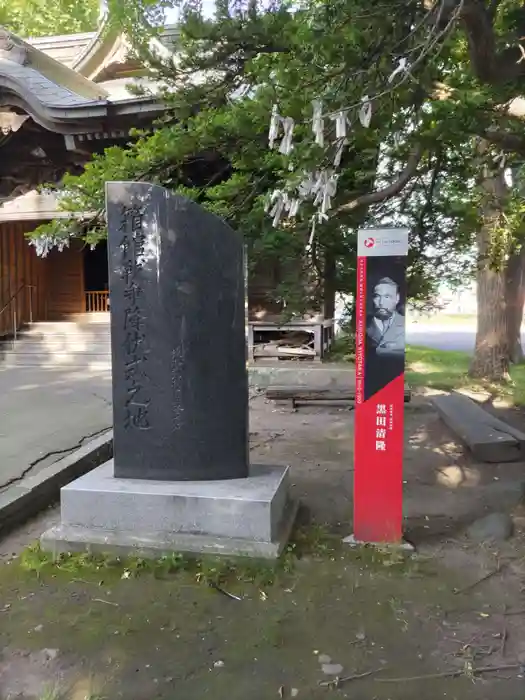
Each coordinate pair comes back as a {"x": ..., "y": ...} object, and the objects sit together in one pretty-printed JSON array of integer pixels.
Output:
[{"x": 380, "y": 385}]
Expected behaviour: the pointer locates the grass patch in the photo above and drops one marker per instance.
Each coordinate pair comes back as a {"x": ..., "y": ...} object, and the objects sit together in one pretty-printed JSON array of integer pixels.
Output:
[
  {"x": 448, "y": 369},
  {"x": 312, "y": 541},
  {"x": 440, "y": 369}
]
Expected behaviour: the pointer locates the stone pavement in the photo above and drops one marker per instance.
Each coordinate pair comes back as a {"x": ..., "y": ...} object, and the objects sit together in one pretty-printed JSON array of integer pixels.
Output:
[{"x": 46, "y": 414}]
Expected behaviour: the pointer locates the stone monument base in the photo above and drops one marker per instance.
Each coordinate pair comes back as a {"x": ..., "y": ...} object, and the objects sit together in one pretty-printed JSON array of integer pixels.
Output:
[{"x": 235, "y": 517}]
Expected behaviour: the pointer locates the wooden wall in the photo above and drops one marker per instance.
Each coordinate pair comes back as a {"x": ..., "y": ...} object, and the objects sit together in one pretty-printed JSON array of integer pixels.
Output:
[
  {"x": 65, "y": 287},
  {"x": 19, "y": 267},
  {"x": 57, "y": 281}
]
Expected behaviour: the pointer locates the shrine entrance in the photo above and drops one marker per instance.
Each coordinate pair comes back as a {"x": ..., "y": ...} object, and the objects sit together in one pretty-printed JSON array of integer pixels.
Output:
[{"x": 96, "y": 278}]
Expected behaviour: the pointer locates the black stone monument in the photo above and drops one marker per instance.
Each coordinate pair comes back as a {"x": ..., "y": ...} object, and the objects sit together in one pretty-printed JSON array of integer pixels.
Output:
[{"x": 180, "y": 385}]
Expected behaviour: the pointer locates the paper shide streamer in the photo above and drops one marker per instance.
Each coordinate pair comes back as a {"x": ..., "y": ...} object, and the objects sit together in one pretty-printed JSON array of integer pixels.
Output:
[
  {"x": 318, "y": 122},
  {"x": 45, "y": 244},
  {"x": 402, "y": 67},
  {"x": 319, "y": 187},
  {"x": 287, "y": 124},
  {"x": 281, "y": 203},
  {"x": 365, "y": 111}
]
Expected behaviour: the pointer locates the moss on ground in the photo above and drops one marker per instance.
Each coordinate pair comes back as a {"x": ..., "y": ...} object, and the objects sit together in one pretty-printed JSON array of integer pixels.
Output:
[{"x": 160, "y": 630}]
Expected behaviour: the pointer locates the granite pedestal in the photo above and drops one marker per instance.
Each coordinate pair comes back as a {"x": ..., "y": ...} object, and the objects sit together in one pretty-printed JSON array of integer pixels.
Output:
[{"x": 237, "y": 517}]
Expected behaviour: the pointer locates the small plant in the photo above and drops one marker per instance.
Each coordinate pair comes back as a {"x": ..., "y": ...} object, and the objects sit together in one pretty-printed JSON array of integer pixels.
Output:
[
  {"x": 313, "y": 540},
  {"x": 51, "y": 693},
  {"x": 169, "y": 564},
  {"x": 35, "y": 560}
]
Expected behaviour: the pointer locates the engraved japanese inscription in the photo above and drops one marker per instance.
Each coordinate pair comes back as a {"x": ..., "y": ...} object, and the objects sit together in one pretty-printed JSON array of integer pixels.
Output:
[
  {"x": 134, "y": 344},
  {"x": 180, "y": 387}
]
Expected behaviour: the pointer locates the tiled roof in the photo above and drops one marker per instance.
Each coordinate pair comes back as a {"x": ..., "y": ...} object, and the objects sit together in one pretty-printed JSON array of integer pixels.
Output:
[
  {"x": 36, "y": 85},
  {"x": 65, "y": 49}
]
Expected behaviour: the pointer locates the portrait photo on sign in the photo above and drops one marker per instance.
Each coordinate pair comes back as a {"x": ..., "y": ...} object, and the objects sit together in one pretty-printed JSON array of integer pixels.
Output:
[{"x": 386, "y": 298}]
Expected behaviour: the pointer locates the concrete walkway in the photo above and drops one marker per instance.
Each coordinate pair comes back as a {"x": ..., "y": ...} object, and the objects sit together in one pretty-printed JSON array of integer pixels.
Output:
[{"x": 45, "y": 414}]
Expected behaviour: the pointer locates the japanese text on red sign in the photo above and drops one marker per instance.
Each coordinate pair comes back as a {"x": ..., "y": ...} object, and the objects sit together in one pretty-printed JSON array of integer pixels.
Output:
[{"x": 384, "y": 424}]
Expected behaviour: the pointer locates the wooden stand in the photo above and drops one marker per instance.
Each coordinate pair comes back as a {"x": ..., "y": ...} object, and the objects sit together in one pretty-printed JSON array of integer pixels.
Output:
[{"x": 321, "y": 338}]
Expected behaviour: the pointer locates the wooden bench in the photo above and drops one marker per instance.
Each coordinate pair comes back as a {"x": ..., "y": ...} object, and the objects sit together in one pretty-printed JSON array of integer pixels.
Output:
[
  {"x": 303, "y": 394},
  {"x": 487, "y": 437}
]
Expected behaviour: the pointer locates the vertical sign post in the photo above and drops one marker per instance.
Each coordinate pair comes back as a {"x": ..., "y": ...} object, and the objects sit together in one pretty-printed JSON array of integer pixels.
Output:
[{"x": 380, "y": 385}]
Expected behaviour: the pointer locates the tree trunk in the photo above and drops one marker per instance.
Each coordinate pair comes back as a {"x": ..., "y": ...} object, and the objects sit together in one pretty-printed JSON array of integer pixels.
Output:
[
  {"x": 329, "y": 284},
  {"x": 515, "y": 299},
  {"x": 491, "y": 354}
]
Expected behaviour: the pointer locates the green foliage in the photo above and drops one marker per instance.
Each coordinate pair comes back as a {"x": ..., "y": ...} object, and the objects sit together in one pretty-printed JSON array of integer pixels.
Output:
[
  {"x": 343, "y": 348},
  {"x": 33, "y": 18},
  {"x": 213, "y": 146},
  {"x": 230, "y": 70}
]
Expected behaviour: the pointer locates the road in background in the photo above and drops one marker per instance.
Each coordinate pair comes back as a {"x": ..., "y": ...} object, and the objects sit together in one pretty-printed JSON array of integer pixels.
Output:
[{"x": 447, "y": 336}]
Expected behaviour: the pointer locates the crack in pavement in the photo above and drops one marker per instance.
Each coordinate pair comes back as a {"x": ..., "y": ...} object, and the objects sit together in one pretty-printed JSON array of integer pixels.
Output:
[
  {"x": 103, "y": 398},
  {"x": 51, "y": 453}
]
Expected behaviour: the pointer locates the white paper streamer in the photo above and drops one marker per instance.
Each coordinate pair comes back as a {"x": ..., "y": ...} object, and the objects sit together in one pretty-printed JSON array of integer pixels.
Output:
[
  {"x": 402, "y": 67},
  {"x": 339, "y": 152},
  {"x": 293, "y": 209},
  {"x": 365, "y": 112},
  {"x": 279, "y": 200},
  {"x": 316, "y": 218},
  {"x": 317, "y": 189},
  {"x": 340, "y": 119},
  {"x": 310, "y": 243},
  {"x": 318, "y": 122},
  {"x": 306, "y": 186},
  {"x": 325, "y": 188},
  {"x": 329, "y": 192},
  {"x": 280, "y": 203},
  {"x": 275, "y": 121},
  {"x": 286, "y": 144},
  {"x": 45, "y": 244}
]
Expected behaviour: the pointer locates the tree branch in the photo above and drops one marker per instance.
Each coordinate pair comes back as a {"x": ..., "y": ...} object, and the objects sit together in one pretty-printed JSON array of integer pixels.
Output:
[
  {"x": 489, "y": 65},
  {"x": 515, "y": 109},
  {"x": 392, "y": 190},
  {"x": 429, "y": 199},
  {"x": 478, "y": 18},
  {"x": 505, "y": 140}
]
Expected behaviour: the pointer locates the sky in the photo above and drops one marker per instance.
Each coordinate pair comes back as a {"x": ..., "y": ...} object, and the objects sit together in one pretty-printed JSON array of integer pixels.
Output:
[{"x": 172, "y": 14}]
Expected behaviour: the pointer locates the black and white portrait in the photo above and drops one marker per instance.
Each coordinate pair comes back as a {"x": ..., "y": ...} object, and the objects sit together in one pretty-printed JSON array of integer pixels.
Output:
[
  {"x": 385, "y": 324},
  {"x": 385, "y": 321}
]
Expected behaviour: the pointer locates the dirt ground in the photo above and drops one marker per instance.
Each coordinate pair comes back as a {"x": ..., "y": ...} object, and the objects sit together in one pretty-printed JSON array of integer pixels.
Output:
[{"x": 109, "y": 631}]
